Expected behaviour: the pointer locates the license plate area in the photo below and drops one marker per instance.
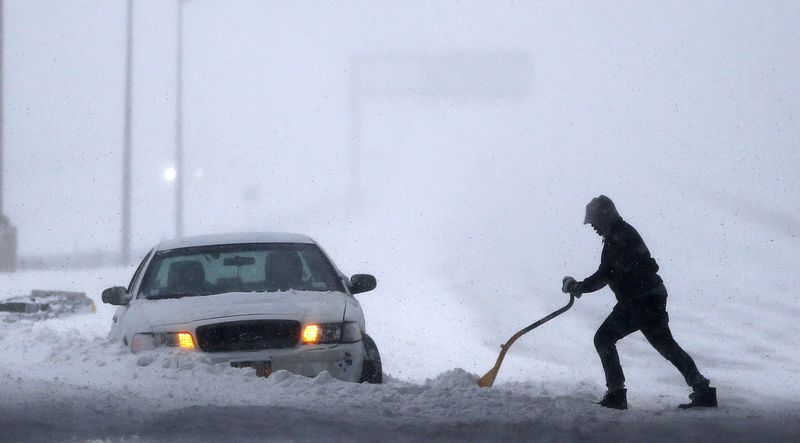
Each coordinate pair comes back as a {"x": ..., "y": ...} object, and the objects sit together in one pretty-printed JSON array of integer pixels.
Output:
[{"x": 263, "y": 368}]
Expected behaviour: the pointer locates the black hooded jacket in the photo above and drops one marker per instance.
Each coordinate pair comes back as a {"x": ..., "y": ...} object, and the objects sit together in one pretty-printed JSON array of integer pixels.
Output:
[{"x": 627, "y": 267}]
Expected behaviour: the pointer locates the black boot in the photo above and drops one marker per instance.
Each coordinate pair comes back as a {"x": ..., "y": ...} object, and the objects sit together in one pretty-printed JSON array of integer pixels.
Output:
[
  {"x": 705, "y": 397},
  {"x": 616, "y": 399}
]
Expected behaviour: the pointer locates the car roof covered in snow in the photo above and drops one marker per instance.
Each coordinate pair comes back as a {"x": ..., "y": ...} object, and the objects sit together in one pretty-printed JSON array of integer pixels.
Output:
[{"x": 232, "y": 239}]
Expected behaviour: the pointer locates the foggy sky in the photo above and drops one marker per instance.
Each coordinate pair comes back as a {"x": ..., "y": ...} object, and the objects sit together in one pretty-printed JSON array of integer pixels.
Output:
[{"x": 652, "y": 104}]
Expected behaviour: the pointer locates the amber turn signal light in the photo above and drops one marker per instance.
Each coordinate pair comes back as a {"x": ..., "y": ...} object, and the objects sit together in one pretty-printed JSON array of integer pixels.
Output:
[
  {"x": 185, "y": 340},
  {"x": 311, "y": 333}
]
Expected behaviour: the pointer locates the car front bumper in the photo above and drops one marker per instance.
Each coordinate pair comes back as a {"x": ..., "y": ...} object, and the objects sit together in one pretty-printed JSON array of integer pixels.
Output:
[{"x": 342, "y": 361}]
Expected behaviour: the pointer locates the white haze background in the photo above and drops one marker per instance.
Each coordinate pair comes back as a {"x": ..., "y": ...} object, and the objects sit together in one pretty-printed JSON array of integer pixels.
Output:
[{"x": 685, "y": 113}]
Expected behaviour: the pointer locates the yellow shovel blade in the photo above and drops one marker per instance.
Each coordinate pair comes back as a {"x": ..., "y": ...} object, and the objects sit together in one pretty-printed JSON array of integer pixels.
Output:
[{"x": 488, "y": 380}]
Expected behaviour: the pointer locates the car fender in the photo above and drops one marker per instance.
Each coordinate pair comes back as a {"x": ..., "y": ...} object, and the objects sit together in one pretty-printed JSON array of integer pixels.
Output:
[
  {"x": 353, "y": 312},
  {"x": 129, "y": 321}
]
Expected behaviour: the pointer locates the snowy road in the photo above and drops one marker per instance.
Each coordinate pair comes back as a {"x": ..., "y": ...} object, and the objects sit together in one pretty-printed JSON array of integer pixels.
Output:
[
  {"x": 63, "y": 380},
  {"x": 295, "y": 409},
  {"x": 195, "y": 407}
]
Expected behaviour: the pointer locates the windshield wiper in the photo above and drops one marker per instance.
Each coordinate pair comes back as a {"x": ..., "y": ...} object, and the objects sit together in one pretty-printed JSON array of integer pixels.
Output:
[
  {"x": 173, "y": 295},
  {"x": 181, "y": 294}
]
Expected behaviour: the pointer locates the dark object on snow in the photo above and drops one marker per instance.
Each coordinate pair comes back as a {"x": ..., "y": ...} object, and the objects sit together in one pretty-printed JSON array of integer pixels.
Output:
[
  {"x": 568, "y": 285},
  {"x": 652, "y": 320},
  {"x": 625, "y": 264},
  {"x": 602, "y": 213},
  {"x": 702, "y": 398},
  {"x": 41, "y": 305},
  {"x": 632, "y": 274},
  {"x": 616, "y": 399},
  {"x": 372, "y": 369}
]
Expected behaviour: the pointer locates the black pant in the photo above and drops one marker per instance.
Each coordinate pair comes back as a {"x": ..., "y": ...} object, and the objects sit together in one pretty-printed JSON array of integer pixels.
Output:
[{"x": 653, "y": 321}]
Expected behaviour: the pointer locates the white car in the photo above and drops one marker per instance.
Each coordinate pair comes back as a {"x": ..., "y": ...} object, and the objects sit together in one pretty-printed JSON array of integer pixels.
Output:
[{"x": 266, "y": 300}]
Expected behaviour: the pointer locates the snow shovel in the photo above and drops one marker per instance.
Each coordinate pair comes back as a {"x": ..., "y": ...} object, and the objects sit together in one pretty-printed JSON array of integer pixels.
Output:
[{"x": 488, "y": 380}]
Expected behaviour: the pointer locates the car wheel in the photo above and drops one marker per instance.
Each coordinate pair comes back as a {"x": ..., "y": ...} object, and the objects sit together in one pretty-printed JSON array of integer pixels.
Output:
[{"x": 371, "y": 369}]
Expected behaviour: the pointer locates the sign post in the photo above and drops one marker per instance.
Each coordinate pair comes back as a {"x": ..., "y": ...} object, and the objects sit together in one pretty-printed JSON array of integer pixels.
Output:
[{"x": 8, "y": 233}]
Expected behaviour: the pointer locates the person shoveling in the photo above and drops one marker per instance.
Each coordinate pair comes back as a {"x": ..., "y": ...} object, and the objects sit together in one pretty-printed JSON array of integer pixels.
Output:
[{"x": 632, "y": 274}]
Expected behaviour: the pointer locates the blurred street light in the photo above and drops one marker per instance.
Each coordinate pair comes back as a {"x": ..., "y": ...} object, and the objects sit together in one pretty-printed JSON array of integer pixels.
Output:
[
  {"x": 179, "y": 167},
  {"x": 170, "y": 174},
  {"x": 125, "y": 254},
  {"x": 179, "y": 121}
]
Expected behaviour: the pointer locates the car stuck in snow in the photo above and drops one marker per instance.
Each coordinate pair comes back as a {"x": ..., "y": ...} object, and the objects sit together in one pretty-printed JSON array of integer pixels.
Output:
[{"x": 265, "y": 300}]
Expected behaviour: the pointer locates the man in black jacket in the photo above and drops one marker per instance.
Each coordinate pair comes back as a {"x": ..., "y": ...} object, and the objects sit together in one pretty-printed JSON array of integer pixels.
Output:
[{"x": 628, "y": 269}]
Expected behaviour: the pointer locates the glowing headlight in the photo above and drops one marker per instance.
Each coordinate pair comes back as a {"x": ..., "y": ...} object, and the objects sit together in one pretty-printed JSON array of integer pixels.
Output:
[
  {"x": 145, "y": 341},
  {"x": 311, "y": 333},
  {"x": 185, "y": 340},
  {"x": 348, "y": 332}
]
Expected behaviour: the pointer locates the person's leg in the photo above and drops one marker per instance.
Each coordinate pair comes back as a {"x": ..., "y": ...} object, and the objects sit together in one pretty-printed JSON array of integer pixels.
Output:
[
  {"x": 660, "y": 337},
  {"x": 618, "y": 325}
]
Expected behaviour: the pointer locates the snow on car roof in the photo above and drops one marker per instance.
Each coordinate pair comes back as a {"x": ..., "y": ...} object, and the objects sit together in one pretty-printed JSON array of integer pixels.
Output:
[{"x": 233, "y": 238}]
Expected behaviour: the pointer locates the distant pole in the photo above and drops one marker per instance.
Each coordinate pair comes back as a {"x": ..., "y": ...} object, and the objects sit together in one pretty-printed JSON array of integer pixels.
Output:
[
  {"x": 127, "y": 148},
  {"x": 2, "y": 31},
  {"x": 355, "y": 133},
  {"x": 8, "y": 233},
  {"x": 179, "y": 125}
]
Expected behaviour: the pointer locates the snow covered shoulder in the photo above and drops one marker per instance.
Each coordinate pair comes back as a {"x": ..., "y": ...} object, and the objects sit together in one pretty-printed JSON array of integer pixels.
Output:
[{"x": 63, "y": 379}]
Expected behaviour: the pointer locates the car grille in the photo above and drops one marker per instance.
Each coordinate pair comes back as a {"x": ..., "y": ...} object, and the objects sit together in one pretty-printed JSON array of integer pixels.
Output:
[{"x": 248, "y": 335}]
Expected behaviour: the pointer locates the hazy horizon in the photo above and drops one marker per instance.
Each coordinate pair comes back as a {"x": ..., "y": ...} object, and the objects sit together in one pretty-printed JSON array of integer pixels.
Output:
[{"x": 650, "y": 104}]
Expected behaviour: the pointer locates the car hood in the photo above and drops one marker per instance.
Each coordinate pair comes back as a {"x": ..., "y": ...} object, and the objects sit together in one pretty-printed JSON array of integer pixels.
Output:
[{"x": 320, "y": 306}]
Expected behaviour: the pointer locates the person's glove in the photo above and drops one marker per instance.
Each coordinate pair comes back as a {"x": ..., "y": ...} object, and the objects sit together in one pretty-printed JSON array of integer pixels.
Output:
[{"x": 570, "y": 286}]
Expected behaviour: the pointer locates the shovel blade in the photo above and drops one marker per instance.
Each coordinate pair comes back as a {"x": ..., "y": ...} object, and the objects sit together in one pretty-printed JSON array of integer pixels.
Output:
[{"x": 488, "y": 380}]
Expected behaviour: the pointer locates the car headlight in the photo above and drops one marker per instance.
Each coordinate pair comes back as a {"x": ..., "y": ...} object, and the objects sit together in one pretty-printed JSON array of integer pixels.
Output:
[
  {"x": 184, "y": 340},
  {"x": 322, "y": 333},
  {"x": 145, "y": 341}
]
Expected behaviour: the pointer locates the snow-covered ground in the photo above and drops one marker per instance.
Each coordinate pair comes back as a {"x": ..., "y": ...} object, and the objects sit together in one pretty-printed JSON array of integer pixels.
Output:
[
  {"x": 467, "y": 208},
  {"x": 62, "y": 379}
]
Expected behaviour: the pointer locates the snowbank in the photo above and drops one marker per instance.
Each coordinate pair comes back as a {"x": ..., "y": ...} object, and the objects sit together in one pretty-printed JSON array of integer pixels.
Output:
[{"x": 63, "y": 378}]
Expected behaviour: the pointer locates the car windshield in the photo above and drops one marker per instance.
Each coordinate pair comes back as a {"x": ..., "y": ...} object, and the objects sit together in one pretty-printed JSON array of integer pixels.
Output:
[{"x": 261, "y": 267}]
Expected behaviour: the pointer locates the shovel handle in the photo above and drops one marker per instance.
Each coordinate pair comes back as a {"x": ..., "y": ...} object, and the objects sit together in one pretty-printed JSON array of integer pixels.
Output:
[{"x": 488, "y": 379}]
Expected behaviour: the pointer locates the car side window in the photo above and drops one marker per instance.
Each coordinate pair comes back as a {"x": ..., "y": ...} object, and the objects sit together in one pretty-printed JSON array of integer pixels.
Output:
[{"x": 138, "y": 272}]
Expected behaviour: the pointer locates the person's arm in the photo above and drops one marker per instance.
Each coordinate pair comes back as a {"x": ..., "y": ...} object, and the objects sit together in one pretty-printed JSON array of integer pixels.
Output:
[{"x": 592, "y": 283}]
